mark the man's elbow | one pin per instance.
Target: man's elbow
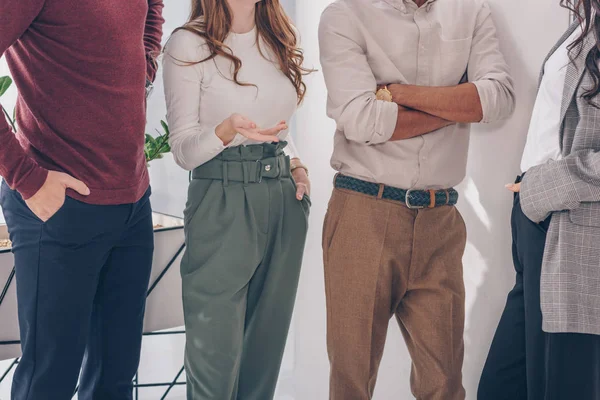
(371, 123)
(362, 134)
(499, 104)
(511, 103)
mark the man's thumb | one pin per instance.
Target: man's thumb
(77, 185)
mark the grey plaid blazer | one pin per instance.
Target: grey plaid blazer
(569, 190)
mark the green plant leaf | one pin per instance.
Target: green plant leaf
(156, 147)
(5, 83)
(165, 127)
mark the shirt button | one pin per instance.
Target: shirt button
(267, 168)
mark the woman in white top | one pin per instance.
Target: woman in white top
(547, 345)
(233, 79)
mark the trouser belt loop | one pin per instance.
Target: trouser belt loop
(447, 196)
(225, 173)
(258, 171)
(380, 194)
(431, 198)
(190, 176)
(245, 172)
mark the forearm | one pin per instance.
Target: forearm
(413, 123)
(459, 104)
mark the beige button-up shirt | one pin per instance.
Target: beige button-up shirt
(443, 43)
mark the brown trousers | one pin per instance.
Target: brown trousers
(383, 259)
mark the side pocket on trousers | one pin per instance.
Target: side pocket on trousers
(333, 217)
(197, 191)
(25, 211)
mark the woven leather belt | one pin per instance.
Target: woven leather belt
(244, 171)
(414, 199)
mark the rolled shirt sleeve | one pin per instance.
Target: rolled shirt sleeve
(488, 70)
(350, 82)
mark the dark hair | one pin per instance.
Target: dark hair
(587, 12)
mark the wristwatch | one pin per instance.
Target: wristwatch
(384, 94)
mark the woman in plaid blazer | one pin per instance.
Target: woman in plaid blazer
(547, 345)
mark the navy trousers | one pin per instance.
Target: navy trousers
(524, 362)
(81, 280)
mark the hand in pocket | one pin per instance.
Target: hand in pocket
(51, 196)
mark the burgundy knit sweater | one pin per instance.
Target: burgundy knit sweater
(80, 67)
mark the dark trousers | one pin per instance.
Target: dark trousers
(525, 363)
(81, 287)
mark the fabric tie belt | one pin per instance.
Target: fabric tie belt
(414, 199)
(244, 171)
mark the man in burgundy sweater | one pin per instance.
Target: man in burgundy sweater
(76, 192)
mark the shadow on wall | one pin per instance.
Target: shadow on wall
(494, 158)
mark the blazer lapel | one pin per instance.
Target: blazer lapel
(563, 38)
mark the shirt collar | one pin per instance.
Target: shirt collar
(401, 4)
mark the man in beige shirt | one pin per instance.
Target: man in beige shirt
(405, 80)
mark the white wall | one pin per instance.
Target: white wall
(528, 29)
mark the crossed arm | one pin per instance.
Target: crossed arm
(416, 110)
(426, 109)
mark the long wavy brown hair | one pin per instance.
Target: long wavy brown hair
(587, 12)
(212, 20)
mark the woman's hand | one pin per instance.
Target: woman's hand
(302, 183)
(237, 123)
(514, 187)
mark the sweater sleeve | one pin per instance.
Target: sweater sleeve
(153, 35)
(290, 150)
(20, 171)
(193, 143)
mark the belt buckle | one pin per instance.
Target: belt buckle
(407, 200)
